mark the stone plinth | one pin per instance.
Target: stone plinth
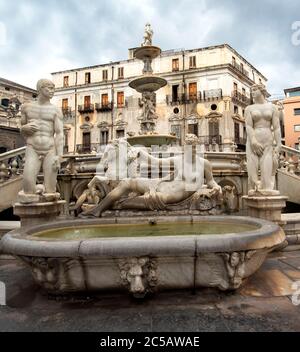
(266, 207)
(38, 213)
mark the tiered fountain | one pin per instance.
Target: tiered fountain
(148, 84)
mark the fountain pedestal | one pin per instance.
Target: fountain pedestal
(266, 207)
(38, 213)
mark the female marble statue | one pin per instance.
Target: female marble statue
(156, 193)
(263, 142)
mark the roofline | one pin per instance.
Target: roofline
(288, 90)
(168, 52)
(16, 85)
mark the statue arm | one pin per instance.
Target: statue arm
(276, 128)
(256, 147)
(58, 129)
(27, 129)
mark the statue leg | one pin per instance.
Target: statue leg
(31, 170)
(122, 188)
(266, 168)
(50, 173)
(252, 167)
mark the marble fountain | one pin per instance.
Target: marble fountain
(135, 233)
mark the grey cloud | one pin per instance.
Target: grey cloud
(53, 35)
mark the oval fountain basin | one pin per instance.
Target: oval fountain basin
(144, 255)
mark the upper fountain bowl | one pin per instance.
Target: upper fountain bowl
(144, 52)
(147, 83)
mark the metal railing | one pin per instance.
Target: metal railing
(240, 68)
(212, 94)
(213, 139)
(86, 108)
(240, 97)
(103, 106)
(88, 148)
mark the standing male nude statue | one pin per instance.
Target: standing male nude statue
(42, 128)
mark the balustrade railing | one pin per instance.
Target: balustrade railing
(11, 164)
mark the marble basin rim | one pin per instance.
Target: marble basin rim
(144, 264)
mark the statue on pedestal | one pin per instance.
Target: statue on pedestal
(263, 143)
(42, 128)
(148, 35)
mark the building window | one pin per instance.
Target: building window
(65, 104)
(193, 91)
(193, 128)
(242, 67)
(103, 137)
(87, 77)
(121, 72)
(5, 102)
(87, 101)
(260, 82)
(176, 130)
(192, 61)
(235, 109)
(175, 65)
(86, 142)
(120, 99)
(233, 61)
(104, 100)
(66, 81)
(244, 91)
(105, 75)
(120, 133)
(175, 94)
(213, 131)
(297, 111)
(237, 132)
(297, 128)
(295, 93)
(235, 87)
(7, 88)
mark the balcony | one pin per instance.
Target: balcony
(87, 148)
(213, 139)
(240, 98)
(103, 106)
(86, 108)
(67, 113)
(240, 68)
(240, 140)
(212, 94)
(175, 99)
(194, 98)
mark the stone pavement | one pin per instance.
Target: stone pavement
(264, 303)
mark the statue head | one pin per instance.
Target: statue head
(45, 87)
(257, 91)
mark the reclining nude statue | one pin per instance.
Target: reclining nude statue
(186, 180)
(263, 143)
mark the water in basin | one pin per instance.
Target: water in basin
(144, 230)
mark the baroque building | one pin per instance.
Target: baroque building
(291, 105)
(12, 95)
(207, 92)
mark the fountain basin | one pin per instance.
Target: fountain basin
(147, 83)
(147, 140)
(144, 255)
(148, 51)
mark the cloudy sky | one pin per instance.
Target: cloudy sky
(39, 37)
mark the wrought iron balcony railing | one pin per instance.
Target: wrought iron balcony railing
(86, 108)
(240, 98)
(175, 99)
(212, 94)
(103, 106)
(240, 68)
(87, 148)
(240, 140)
(213, 139)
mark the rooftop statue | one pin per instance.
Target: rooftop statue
(263, 143)
(42, 128)
(147, 35)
